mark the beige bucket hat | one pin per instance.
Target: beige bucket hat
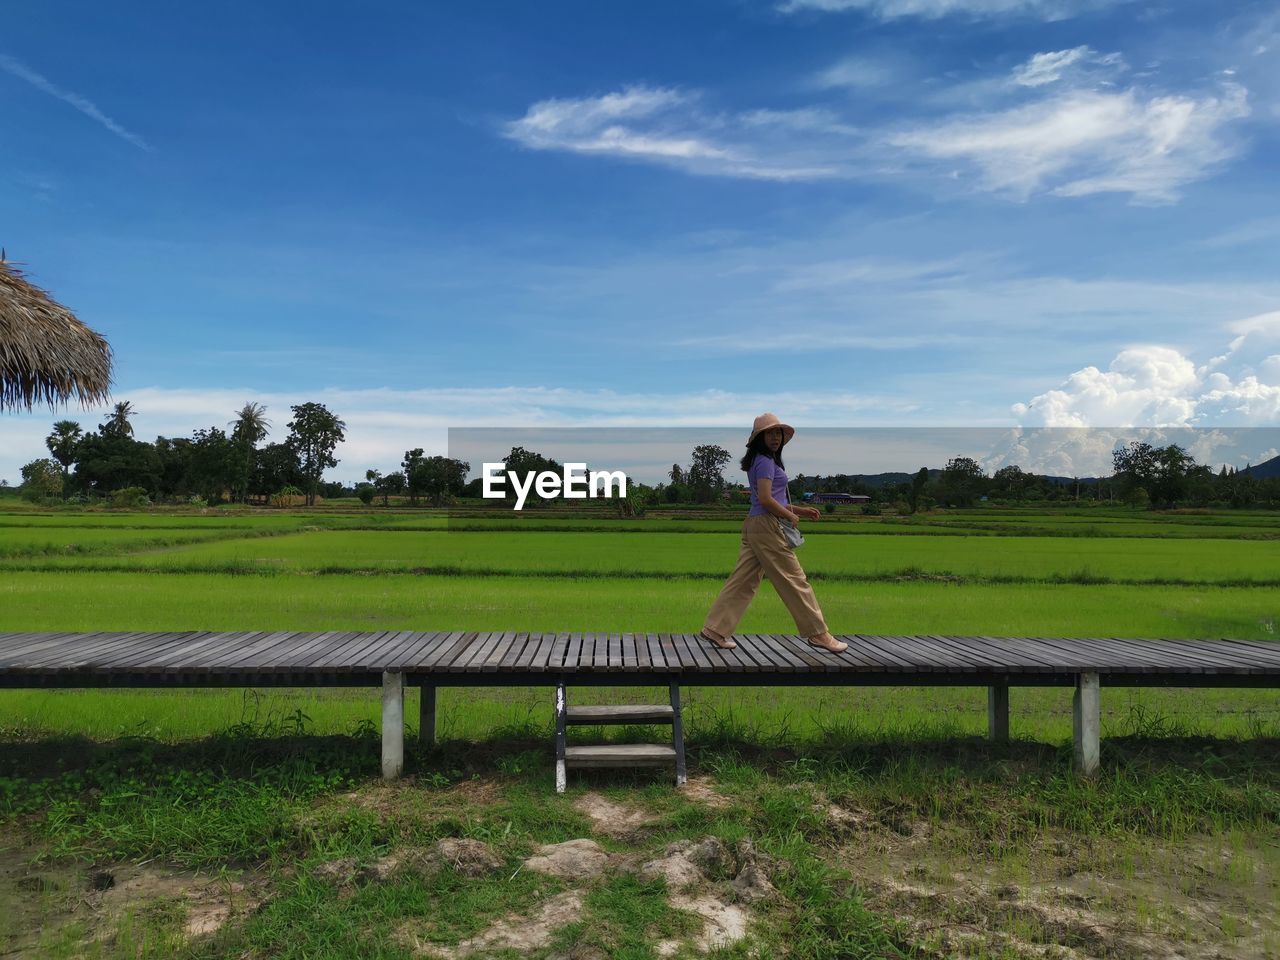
(767, 420)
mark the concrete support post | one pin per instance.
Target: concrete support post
(1087, 722)
(998, 713)
(427, 716)
(392, 724)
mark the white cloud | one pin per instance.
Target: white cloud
(666, 126)
(935, 9)
(83, 104)
(1159, 386)
(1063, 125)
(1089, 141)
(1046, 68)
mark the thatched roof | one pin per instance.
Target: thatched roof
(46, 354)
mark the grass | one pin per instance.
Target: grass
(1175, 841)
(1004, 559)
(115, 601)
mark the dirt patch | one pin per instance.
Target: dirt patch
(41, 900)
(471, 858)
(1063, 897)
(612, 819)
(724, 924)
(574, 860)
(702, 790)
(208, 901)
(524, 934)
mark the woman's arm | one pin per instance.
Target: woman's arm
(764, 493)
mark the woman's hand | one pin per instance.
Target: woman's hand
(809, 513)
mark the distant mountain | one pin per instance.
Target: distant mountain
(1264, 470)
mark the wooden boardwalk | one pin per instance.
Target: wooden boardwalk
(394, 659)
(483, 659)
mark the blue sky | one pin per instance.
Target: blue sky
(852, 212)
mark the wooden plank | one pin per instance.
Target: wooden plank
(688, 661)
(1171, 659)
(621, 713)
(473, 643)
(58, 648)
(620, 755)
(524, 661)
(854, 654)
(304, 646)
(735, 660)
(656, 657)
(21, 646)
(981, 661)
(443, 657)
(630, 661)
(927, 658)
(573, 653)
(755, 656)
(271, 650)
(349, 643)
(559, 650)
(799, 651)
(197, 653)
(542, 656)
(335, 641)
(141, 649)
(599, 651)
(512, 656)
(865, 653)
(784, 660)
(477, 652)
(640, 652)
(881, 650)
(1242, 658)
(499, 651)
(421, 655)
(354, 656)
(99, 653)
(223, 653)
(672, 653)
(389, 650)
(1029, 658)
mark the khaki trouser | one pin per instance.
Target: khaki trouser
(765, 553)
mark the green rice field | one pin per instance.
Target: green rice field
(1187, 805)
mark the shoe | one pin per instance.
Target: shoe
(840, 646)
(725, 644)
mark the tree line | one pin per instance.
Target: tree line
(231, 463)
(212, 465)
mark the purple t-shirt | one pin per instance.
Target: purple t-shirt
(763, 466)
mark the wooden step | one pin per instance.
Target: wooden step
(620, 755)
(622, 713)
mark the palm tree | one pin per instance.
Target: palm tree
(118, 424)
(251, 423)
(62, 444)
(249, 426)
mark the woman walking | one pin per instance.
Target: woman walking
(765, 549)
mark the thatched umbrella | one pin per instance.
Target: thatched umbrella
(46, 354)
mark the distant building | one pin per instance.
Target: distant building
(836, 498)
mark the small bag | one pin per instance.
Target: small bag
(794, 537)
